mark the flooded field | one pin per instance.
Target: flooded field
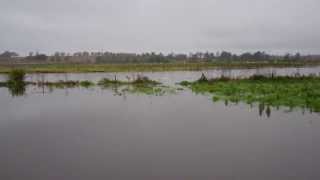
(172, 77)
(102, 133)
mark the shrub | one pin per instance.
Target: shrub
(16, 76)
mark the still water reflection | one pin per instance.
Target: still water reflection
(92, 133)
(170, 78)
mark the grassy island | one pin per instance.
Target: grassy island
(302, 91)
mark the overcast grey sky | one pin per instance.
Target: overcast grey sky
(276, 26)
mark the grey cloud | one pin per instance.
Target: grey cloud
(160, 25)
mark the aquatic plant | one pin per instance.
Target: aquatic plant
(202, 79)
(107, 82)
(16, 83)
(144, 80)
(16, 77)
(140, 80)
(138, 85)
(86, 84)
(64, 84)
(273, 91)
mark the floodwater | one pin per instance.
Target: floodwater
(81, 134)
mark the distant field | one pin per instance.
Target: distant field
(78, 68)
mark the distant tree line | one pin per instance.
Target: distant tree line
(109, 57)
(9, 54)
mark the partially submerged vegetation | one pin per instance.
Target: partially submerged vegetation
(64, 84)
(16, 82)
(140, 80)
(140, 85)
(17, 85)
(267, 91)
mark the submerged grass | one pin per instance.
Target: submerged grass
(302, 91)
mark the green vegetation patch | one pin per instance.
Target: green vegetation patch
(303, 92)
(140, 80)
(64, 84)
(140, 85)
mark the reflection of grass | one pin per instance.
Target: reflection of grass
(3, 84)
(17, 89)
(149, 90)
(267, 91)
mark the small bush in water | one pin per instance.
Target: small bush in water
(16, 76)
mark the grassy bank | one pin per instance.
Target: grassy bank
(77, 68)
(302, 92)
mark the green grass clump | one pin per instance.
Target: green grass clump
(144, 80)
(16, 76)
(302, 92)
(86, 84)
(140, 80)
(16, 82)
(64, 84)
(140, 85)
(107, 82)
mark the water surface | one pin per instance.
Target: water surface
(80, 134)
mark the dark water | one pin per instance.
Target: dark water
(81, 134)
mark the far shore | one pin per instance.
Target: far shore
(147, 67)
